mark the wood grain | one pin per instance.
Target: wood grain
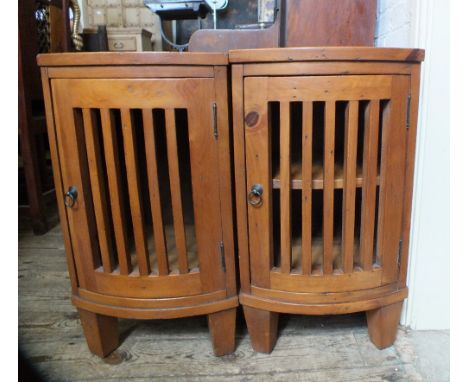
(409, 177)
(329, 23)
(349, 189)
(134, 190)
(328, 190)
(240, 176)
(114, 179)
(150, 130)
(176, 193)
(98, 188)
(392, 180)
(139, 58)
(54, 154)
(258, 166)
(326, 54)
(369, 187)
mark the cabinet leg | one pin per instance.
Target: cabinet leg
(263, 328)
(101, 332)
(223, 331)
(382, 324)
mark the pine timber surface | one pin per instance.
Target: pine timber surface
(332, 348)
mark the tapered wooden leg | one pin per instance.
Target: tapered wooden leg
(101, 332)
(382, 324)
(223, 331)
(263, 328)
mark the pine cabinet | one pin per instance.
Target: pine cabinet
(141, 156)
(323, 158)
(324, 142)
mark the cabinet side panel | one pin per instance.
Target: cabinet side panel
(409, 177)
(392, 180)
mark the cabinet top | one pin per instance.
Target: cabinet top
(349, 53)
(134, 58)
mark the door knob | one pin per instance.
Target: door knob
(70, 197)
(255, 195)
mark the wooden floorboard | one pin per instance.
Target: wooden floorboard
(330, 348)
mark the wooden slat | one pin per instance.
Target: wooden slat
(134, 191)
(285, 184)
(176, 197)
(115, 190)
(98, 188)
(369, 184)
(349, 191)
(307, 123)
(328, 190)
(153, 185)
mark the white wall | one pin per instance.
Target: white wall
(425, 24)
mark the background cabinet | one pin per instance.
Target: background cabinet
(141, 165)
(324, 145)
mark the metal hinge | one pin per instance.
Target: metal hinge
(400, 247)
(221, 253)
(215, 119)
(408, 111)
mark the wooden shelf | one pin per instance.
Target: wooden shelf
(317, 176)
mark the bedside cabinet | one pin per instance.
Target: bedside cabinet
(324, 142)
(141, 159)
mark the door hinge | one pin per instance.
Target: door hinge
(215, 119)
(408, 111)
(400, 248)
(221, 253)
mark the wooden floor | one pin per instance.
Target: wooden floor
(330, 348)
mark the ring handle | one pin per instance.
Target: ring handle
(255, 195)
(70, 197)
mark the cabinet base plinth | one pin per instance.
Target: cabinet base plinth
(99, 321)
(261, 314)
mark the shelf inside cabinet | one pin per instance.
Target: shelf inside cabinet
(317, 176)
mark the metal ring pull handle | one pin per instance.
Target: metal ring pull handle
(255, 195)
(70, 197)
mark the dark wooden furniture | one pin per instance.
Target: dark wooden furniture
(299, 23)
(328, 23)
(31, 118)
(324, 142)
(141, 156)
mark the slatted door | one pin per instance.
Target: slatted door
(142, 157)
(325, 160)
